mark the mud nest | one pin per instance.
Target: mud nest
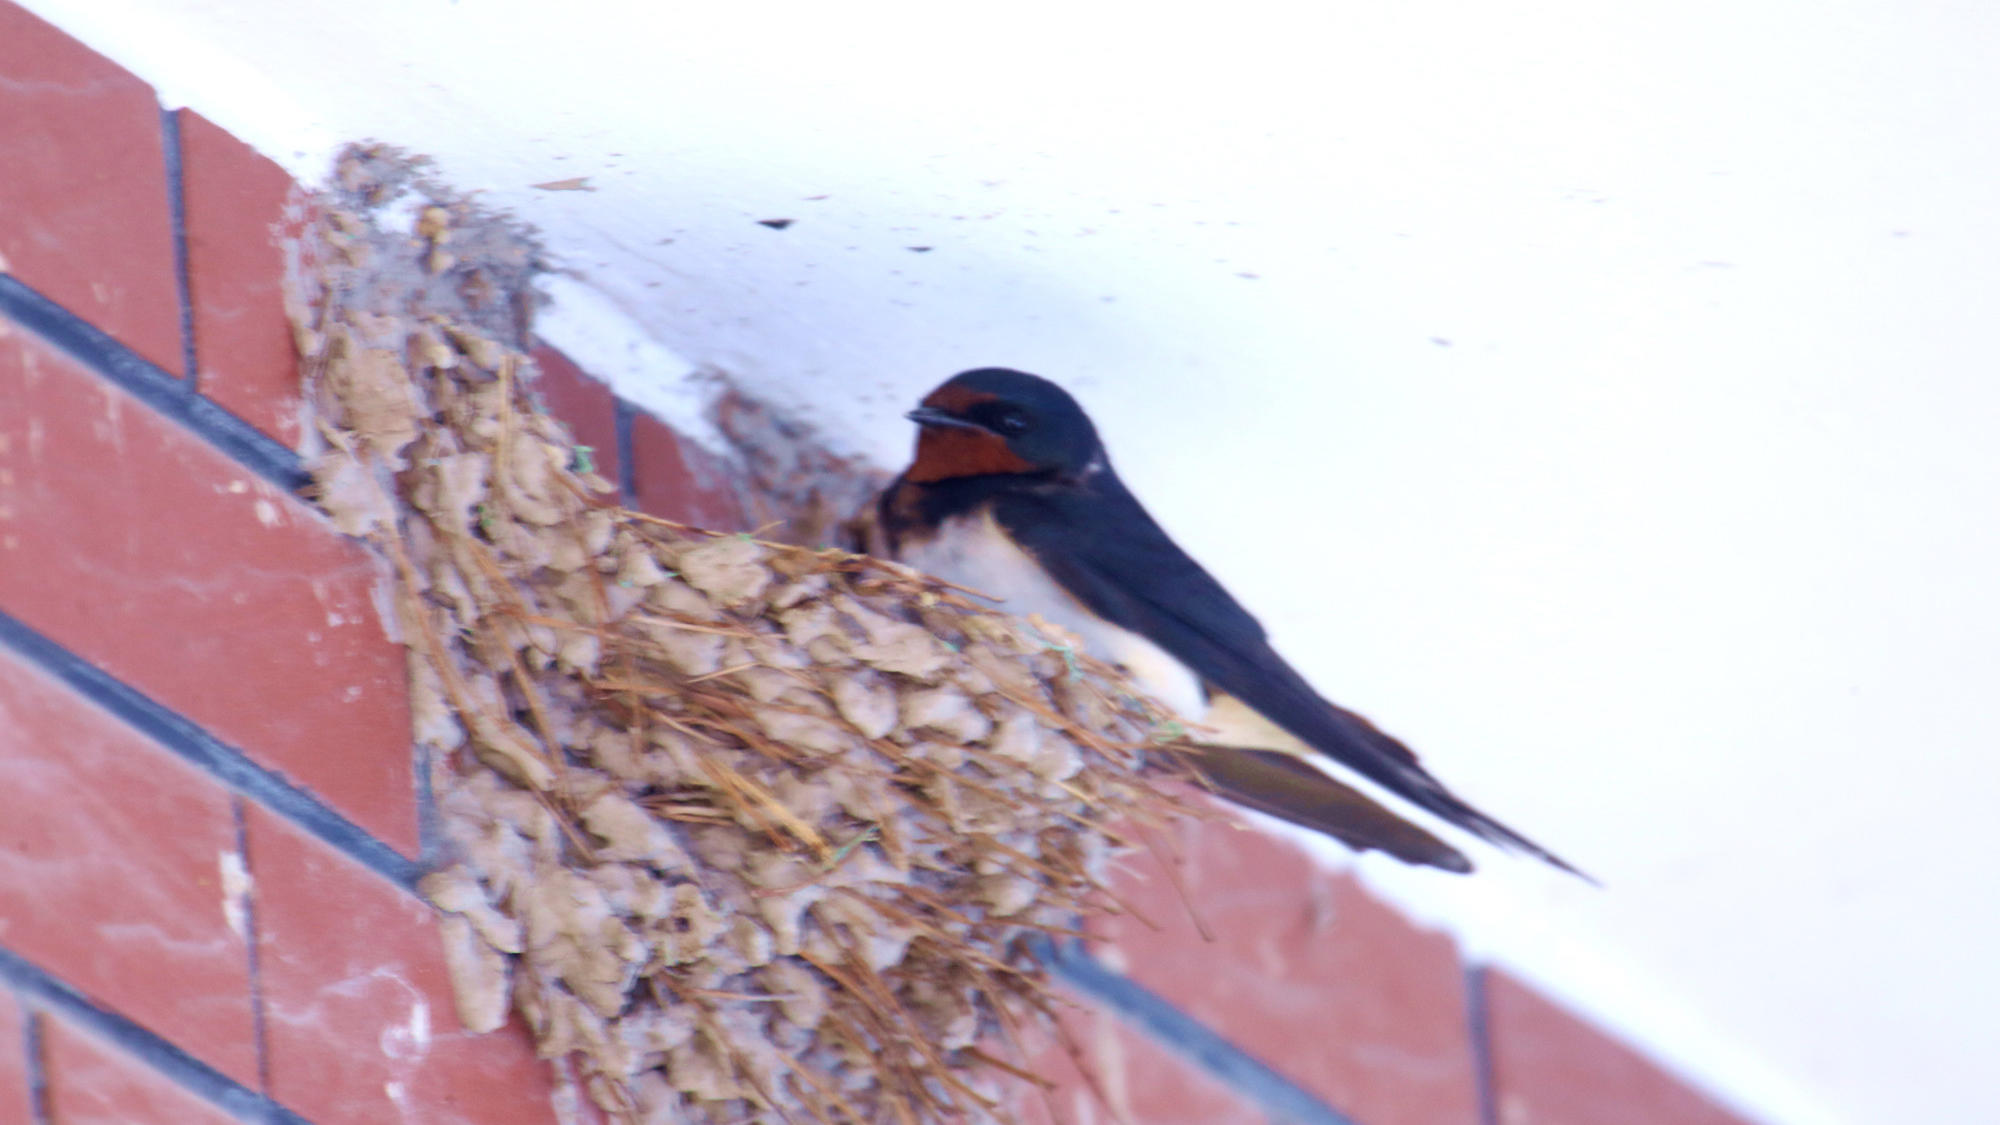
(744, 831)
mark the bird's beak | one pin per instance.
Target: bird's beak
(932, 416)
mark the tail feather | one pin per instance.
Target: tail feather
(1280, 785)
(1428, 793)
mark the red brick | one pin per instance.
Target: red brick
(134, 544)
(678, 480)
(240, 208)
(588, 406)
(15, 1103)
(1551, 1068)
(1308, 973)
(359, 1022)
(1134, 1081)
(83, 202)
(93, 1083)
(114, 875)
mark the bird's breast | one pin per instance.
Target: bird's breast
(972, 550)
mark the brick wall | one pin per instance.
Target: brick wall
(210, 814)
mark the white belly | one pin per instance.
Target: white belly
(973, 551)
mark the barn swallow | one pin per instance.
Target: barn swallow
(1011, 494)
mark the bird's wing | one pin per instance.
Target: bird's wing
(1102, 546)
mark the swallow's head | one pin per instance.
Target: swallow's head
(994, 421)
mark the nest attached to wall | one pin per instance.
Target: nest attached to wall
(749, 832)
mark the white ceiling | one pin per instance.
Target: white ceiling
(1601, 396)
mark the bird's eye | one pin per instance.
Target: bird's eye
(1012, 423)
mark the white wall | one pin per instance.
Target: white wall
(1601, 396)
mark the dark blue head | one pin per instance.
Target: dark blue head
(994, 420)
